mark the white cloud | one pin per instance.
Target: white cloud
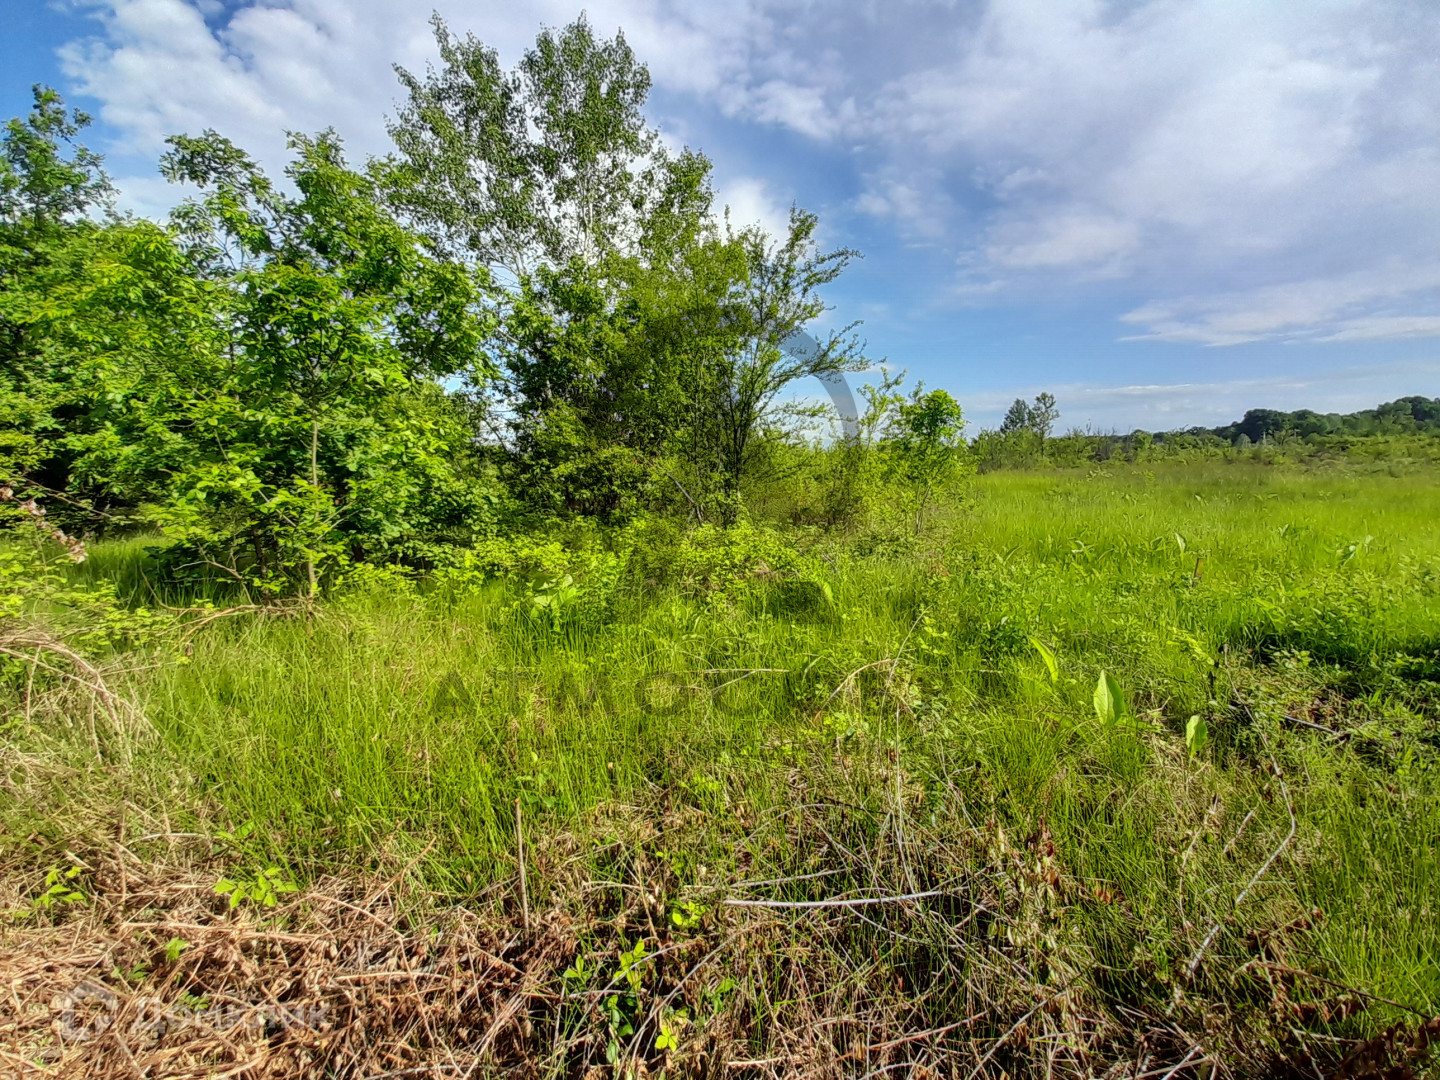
(1189, 148)
(1386, 328)
(156, 62)
(1319, 309)
(751, 202)
(1267, 169)
(1075, 239)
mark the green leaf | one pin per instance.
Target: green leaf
(232, 889)
(1197, 734)
(1046, 655)
(1109, 700)
(577, 971)
(174, 947)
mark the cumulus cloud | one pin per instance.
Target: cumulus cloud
(751, 201)
(1317, 308)
(1237, 149)
(1229, 172)
(159, 66)
(1076, 238)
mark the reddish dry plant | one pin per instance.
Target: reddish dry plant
(1391, 1055)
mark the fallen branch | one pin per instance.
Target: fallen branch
(862, 901)
(1315, 727)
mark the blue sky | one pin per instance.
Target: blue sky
(1164, 212)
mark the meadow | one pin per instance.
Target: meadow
(1123, 770)
(439, 639)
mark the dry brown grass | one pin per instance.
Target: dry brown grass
(366, 976)
(339, 983)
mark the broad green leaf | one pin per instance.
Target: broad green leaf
(1109, 700)
(1046, 655)
(1197, 734)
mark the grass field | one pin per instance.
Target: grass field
(682, 811)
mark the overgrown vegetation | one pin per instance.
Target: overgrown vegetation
(427, 648)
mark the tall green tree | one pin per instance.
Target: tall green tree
(47, 179)
(928, 444)
(779, 296)
(548, 162)
(1037, 419)
(321, 437)
(640, 327)
(54, 204)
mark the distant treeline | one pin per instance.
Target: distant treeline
(1024, 438)
(1404, 415)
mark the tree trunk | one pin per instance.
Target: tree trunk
(314, 482)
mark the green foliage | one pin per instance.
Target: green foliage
(642, 331)
(700, 688)
(621, 1008)
(42, 597)
(927, 444)
(262, 380)
(60, 890)
(1048, 656)
(687, 914)
(48, 183)
(41, 188)
(1197, 735)
(265, 887)
(323, 442)
(258, 382)
(1402, 416)
(539, 164)
(670, 1024)
(514, 393)
(1400, 431)
(710, 557)
(1037, 419)
(1109, 701)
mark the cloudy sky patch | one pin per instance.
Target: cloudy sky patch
(1070, 194)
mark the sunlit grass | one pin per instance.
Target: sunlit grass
(400, 721)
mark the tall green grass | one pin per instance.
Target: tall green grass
(402, 719)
